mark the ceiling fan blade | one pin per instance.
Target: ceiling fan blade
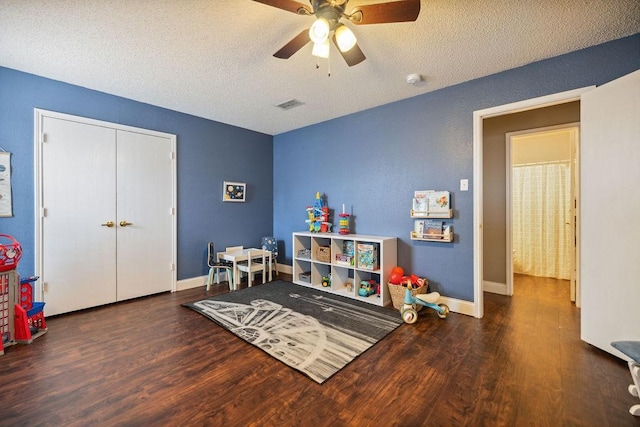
(294, 45)
(353, 56)
(396, 11)
(288, 5)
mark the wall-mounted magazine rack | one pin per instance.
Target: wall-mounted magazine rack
(429, 205)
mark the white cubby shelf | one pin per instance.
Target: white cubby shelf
(309, 270)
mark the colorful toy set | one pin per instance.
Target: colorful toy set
(29, 315)
(21, 319)
(344, 221)
(318, 216)
(10, 253)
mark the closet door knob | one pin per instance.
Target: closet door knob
(108, 224)
(124, 223)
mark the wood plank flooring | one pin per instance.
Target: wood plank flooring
(151, 362)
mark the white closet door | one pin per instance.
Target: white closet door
(609, 203)
(144, 192)
(78, 195)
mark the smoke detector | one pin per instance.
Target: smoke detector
(413, 79)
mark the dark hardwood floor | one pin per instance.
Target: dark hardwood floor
(151, 362)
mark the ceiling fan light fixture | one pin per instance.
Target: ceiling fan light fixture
(345, 39)
(319, 31)
(321, 50)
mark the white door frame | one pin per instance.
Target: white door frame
(40, 138)
(478, 117)
(574, 128)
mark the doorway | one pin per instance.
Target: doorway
(542, 199)
(481, 120)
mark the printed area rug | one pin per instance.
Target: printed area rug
(315, 332)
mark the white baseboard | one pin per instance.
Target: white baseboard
(494, 287)
(287, 269)
(458, 306)
(455, 305)
(195, 282)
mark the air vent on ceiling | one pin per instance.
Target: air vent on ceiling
(288, 105)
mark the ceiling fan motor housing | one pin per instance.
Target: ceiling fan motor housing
(331, 11)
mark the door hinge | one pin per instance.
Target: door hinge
(43, 138)
(172, 211)
(45, 286)
(43, 212)
(172, 266)
(172, 155)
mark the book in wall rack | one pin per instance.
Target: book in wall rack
(429, 208)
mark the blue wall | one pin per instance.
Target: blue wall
(371, 161)
(374, 160)
(208, 153)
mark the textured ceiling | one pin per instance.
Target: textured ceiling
(213, 58)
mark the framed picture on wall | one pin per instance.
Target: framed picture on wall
(234, 191)
(5, 184)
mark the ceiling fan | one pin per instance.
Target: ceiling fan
(328, 15)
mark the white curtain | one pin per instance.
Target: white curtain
(541, 202)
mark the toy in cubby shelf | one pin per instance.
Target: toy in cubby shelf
(346, 258)
(368, 288)
(326, 280)
(318, 216)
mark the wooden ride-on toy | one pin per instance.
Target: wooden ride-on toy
(408, 310)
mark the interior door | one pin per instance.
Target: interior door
(575, 218)
(78, 179)
(609, 201)
(106, 195)
(144, 192)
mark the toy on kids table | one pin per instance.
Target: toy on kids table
(318, 216)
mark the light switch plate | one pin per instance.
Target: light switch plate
(464, 185)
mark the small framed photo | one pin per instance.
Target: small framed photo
(234, 191)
